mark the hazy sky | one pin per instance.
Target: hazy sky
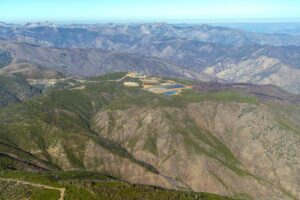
(149, 10)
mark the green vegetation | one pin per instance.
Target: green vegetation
(108, 77)
(150, 144)
(61, 119)
(5, 59)
(66, 115)
(88, 186)
(285, 115)
(14, 89)
(137, 97)
(180, 81)
(13, 190)
(198, 141)
(223, 96)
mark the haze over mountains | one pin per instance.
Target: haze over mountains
(291, 28)
(200, 52)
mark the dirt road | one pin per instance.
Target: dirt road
(61, 190)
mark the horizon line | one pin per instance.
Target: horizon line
(167, 21)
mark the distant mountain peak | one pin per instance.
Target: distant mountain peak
(3, 24)
(40, 24)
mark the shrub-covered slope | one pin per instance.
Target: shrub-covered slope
(15, 89)
(86, 186)
(222, 141)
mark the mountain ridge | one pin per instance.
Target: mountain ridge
(181, 50)
(220, 138)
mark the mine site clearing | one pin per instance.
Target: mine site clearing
(149, 83)
(156, 85)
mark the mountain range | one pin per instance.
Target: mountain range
(83, 115)
(200, 52)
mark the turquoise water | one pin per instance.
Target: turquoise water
(170, 92)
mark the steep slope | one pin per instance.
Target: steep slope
(223, 140)
(159, 49)
(5, 58)
(251, 63)
(30, 71)
(91, 62)
(258, 70)
(15, 89)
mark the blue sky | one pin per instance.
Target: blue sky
(149, 10)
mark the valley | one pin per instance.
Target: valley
(198, 52)
(148, 111)
(149, 100)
